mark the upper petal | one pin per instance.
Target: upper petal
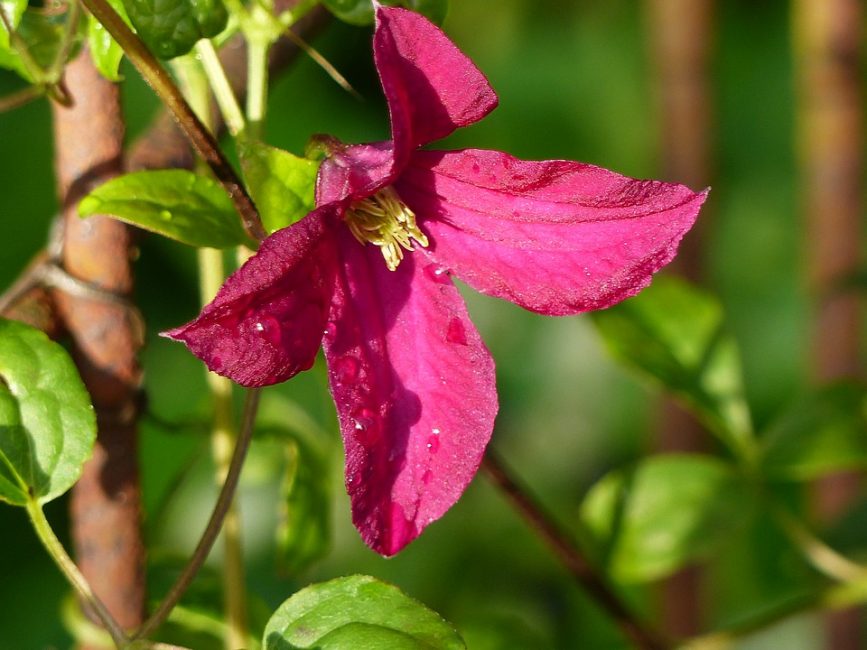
(267, 321)
(556, 237)
(414, 389)
(430, 85)
(353, 172)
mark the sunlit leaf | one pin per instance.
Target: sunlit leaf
(675, 333)
(824, 432)
(663, 513)
(42, 35)
(357, 613)
(105, 51)
(171, 28)
(175, 203)
(281, 184)
(47, 424)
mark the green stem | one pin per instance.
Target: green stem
(20, 98)
(55, 71)
(200, 138)
(70, 571)
(221, 87)
(223, 439)
(823, 558)
(221, 508)
(257, 83)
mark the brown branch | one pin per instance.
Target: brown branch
(681, 34)
(593, 582)
(106, 338)
(828, 37)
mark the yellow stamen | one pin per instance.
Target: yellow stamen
(384, 220)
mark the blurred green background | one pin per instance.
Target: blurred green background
(574, 81)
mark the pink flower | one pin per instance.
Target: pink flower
(368, 274)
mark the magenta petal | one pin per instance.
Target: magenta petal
(555, 237)
(414, 388)
(354, 172)
(430, 85)
(267, 321)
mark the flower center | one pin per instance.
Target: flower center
(383, 219)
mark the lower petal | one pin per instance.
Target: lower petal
(414, 389)
(556, 237)
(266, 322)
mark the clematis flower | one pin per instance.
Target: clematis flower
(368, 275)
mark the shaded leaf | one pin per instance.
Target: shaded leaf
(824, 432)
(663, 513)
(360, 12)
(675, 333)
(357, 613)
(47, 424)
(171, 28)
(42, 35)
(304, 529)
(281, 184)
(175, 203)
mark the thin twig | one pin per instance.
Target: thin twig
(200, 138)
(214, 524)
(570, 555)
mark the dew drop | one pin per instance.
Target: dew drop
(366, 424)
(456, 333)
(435, 431)
(437, 274)
(269, 328)
(330, 331)
(433, 444)
(346, 370)
(165, 215)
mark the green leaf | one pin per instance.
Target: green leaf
(824, 432)
(13, 10)
(280, 183)
(674, 333)
(304, 530)
(175, 203)
(105, 51)
(47, 424)
(171, 28)
(42, 35)
(360, 12)
(357, 613)
(663, 513)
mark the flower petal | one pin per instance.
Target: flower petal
(267, 321)
(430, 85)
(414, 388)
(354, 172)
(556, 237)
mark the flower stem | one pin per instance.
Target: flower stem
(257, 83)
(221, 508)
(223, 92)
(570, 555)
(223, 439)
(70, 571)
(200, 138)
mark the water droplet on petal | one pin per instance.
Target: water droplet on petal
(346, 369)
(456, 333)
(366, 424)
(476, 168)
(437, 274)
(269, 328)
(330, 331)
(426, 477)
(435, 431)
(433, 444)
